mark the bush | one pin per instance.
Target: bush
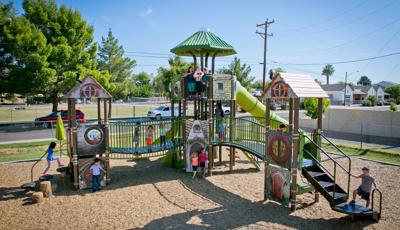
(311, 107)
(372, 99)
(366, 103)
(393, 107)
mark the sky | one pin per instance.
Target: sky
(304, 32)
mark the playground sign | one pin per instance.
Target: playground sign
(90, 140)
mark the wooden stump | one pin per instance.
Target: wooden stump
(54, 187)
(63, 179)
(37, 197)
(45, 187)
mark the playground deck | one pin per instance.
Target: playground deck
(146, 195)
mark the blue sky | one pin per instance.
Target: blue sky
(311, 31)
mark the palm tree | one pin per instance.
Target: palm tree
(327, 71)
(241, 71)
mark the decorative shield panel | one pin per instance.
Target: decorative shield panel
(280, 148)
(278, 186)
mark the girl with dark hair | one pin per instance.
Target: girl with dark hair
(203, 160)
(50, 156)
(191, 83)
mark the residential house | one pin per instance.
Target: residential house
(380, 93)
(363, 91)
(337, 93)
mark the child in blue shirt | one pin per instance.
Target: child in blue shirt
(50, 157)
(96, 170)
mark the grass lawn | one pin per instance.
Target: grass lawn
(90, 111)
(372, 154)
(25, 151)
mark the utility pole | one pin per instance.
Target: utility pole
(345, 89)
(265, 36)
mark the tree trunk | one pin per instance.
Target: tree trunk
(54, 101)
(327, 79)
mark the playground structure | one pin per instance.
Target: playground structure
(284, 150)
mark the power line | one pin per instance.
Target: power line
(265, 36)
(326, 20)
(342, 62)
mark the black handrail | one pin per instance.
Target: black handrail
(380, 201)
(335, 163)
(36, 164)
(345, 155)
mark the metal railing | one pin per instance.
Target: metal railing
(335, 164)
(380, 201)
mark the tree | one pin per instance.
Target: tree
(7, 13)
(279, 70)
(241, 72)
(111, 59)
(311, 107)
(257, 85)
(318, 81)
(328, 71)
(394, 92)
(141, 85)
(176, 70)
(48, 46)
(364, 80)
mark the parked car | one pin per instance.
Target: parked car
(162, 111)
(226, 109)
(51, 119)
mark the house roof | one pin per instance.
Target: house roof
(202, 42)
(297, 86)
(358, 92)
(362, 88)
(385, 84)
(333, 87)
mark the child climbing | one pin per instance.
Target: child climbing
(203, 160)
(149, 137)
(195, 163)
(50, 157)
(96, 170)
(163, 133)
(136, 136)
(219, 115)
(364, 189)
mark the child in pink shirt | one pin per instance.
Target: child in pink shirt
(202, 160)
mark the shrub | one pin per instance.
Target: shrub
(372, 99)
(366, 103)
(393, 107)
(311, 107)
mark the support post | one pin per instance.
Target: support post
(267, 129)
(210, 138)
(317, 138)
(183, 124)
(295, 149)
(106, 139)
(98, 111)
(74, 142)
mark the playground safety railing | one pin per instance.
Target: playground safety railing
(380, 201)
(33, 166)
(335, 164)
(344, 155)
(129, 136)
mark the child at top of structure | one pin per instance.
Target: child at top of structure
(149, 137)
(50, 156)
(203, 160)
(219, 114)
(197, 77)
(191, 83)
(136, 135)
(163, 133)
(96, 170)
(364, 189)
(282, 127)
(195, 163)
(204, 80)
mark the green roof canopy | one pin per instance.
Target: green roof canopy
(203, 41)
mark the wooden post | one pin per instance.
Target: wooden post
(74, 142)
(99, 111)
(267, 129)
(295, 149)
(317, 139)
(106, 139)
(290, 115)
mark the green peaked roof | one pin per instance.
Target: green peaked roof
(203, 41)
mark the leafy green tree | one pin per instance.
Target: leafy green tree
(48, 46)
(311, 107)
(318, 81)
(176, 70)
(257, 85)
(242, 72)
(141, 85)
(279, 70)
(111, 59)
(394, 92)
(7, 13)
(328, 71)
(364, 80)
